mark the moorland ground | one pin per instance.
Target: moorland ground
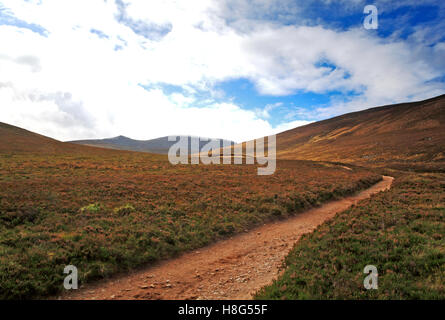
(400, 231)
(108, 211)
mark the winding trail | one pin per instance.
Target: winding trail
(230, 269)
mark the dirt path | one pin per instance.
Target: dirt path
(230, 269)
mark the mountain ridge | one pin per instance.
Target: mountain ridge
(405, 132)
(159, 145)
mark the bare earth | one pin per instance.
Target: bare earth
(231, 269)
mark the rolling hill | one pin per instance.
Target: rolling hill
(15, 139)
(413, 132)
(159, 145)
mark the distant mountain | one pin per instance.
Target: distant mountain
(159, 145)
(412, 132)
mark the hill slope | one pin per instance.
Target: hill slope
(413, 132)
(15, 139)
(403, 132)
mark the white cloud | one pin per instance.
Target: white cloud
(265, 112)
(290, 125)
(73, 84)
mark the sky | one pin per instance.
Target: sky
(233, 69)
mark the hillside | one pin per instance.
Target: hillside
(159, 145)
(15, 139)
(394, 133)
(408, 132)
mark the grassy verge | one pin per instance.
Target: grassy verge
(401, 232)
(111, 212)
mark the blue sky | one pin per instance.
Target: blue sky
(395, 24)
(217, 68)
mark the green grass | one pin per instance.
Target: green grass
(401, 232)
